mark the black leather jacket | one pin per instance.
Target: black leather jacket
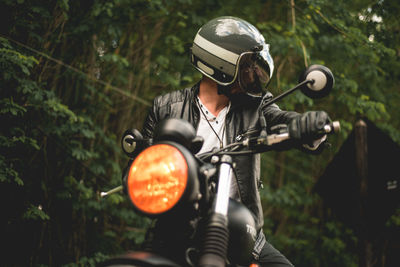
(242, 119)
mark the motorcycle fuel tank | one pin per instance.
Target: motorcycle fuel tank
(242, 233)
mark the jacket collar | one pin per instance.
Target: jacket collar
(237, 100)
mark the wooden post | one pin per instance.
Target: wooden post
(361, 147)
(361, 144)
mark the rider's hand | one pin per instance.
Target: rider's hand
(308, 126)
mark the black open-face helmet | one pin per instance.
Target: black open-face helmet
(227, 49)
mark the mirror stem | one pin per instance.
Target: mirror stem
(112, 191)
(273, 100)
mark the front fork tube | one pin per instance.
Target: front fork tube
(224, 185)
(215, 247)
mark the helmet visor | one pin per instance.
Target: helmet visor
(255, 70)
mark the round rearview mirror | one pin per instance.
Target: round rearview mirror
(321, 81)
(132, 142)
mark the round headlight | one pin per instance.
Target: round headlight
(157, 179)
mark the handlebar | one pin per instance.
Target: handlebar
(332, 127)
(262, 141)
(259, 144)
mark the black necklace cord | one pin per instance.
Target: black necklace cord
(209, 124)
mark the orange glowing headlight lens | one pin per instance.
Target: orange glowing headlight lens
(157, 178)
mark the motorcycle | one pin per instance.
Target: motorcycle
(198, 224)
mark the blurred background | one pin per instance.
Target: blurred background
(76, 74)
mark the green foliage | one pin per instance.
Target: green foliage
(53, 161)
(35, 213)
(74, 75)
(88, 261)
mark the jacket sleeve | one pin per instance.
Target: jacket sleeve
(274, 115)
(151, 120)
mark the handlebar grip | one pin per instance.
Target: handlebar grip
(333, 127)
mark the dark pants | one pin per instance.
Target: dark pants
(267, 255)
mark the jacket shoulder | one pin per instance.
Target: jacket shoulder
(172, 97)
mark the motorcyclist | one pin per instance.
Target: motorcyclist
(225, 105)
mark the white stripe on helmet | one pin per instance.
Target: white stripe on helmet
(216, 50)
